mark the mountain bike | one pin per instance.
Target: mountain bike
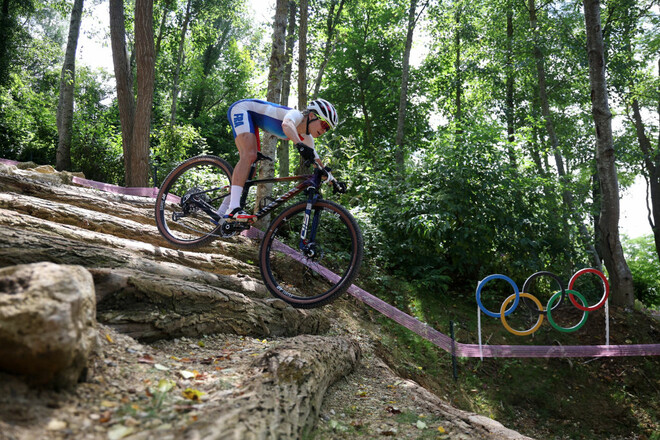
(301, 246)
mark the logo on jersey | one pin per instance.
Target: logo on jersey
(238, 119)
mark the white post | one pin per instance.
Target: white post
(607, 322)
(481, 351)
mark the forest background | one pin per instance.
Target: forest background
(478, 158)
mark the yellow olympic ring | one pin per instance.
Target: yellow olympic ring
(530, 330)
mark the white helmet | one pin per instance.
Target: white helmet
(325, 111)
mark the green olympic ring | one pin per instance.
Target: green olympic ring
(577, 326)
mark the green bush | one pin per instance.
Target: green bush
(643, 261)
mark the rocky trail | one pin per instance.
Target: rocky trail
(189, 345)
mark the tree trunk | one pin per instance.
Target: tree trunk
(124, 79)
(652, 165)
(302, 55)
(302, 64)
(274, 94)
(146, 60)
(457, 68)
(620, 276)
(167, 6)
(328, 48)
(179, 62)
(283, 398)
(403, 97)
(209, 59)
(567, 196)
(7, 31)
(67, 82)
(283, 145)
(510, 83)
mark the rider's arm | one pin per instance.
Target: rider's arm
(290, 125)
(290, 129)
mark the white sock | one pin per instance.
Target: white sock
(236, 192)
(223, 208)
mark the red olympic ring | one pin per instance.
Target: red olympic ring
(606, 286)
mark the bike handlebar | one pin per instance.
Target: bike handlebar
(337, 186)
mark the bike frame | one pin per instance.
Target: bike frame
(308, 181)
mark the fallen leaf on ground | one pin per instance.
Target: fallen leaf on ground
(146, 359)
(193, 394)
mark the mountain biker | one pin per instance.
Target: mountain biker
(247, 116)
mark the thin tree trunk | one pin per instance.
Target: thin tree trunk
(277, 61)
(146, 58)
(567, 196)
(619, 272)
(302, 63)
(179, 62)
(124, 79)
(457, 68)
(652, 166)
(161, 29)
(67, 83)
(302, 57)
(328, 48)
(403, 97)
(283, 145)
(510, 83)
(362, 79)
(209, 59)
(7, 31)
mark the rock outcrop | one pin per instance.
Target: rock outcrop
(47, 322)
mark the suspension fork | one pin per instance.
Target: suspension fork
(305, 241)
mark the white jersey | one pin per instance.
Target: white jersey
(248, 115)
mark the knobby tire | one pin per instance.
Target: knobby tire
(294, 277)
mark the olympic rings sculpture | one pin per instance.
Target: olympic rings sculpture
(554, 301)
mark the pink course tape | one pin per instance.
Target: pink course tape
(429, 333)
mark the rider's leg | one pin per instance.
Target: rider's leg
(247, 150)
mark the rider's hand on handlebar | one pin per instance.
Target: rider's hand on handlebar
(306, 152)
(327, 175)
(339, 187)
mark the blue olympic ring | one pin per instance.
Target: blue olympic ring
(500, 277)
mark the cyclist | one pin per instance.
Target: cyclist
(247, 116)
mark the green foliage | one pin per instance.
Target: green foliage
(96, 144)
(642, 258)
(28, 130)
(174, 144)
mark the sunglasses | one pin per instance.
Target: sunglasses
(324, 124)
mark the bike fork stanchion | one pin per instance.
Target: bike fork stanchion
(453, 350)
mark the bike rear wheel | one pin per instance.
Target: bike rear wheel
(300, 276)
(188, 199)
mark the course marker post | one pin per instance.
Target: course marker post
(453, 350)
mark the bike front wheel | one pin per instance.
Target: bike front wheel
(314, 271)
(188, 199)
